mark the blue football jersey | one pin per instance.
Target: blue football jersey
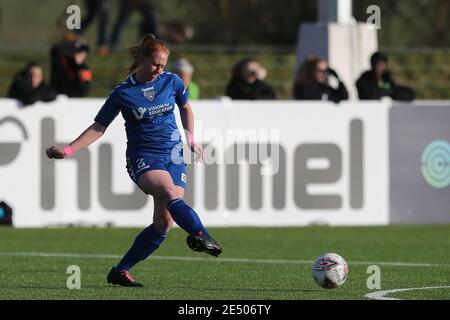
(148, 110)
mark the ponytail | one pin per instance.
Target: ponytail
(147, 47)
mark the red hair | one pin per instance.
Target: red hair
(148, 46)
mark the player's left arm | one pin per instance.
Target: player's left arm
(187, 116)
(187, 119)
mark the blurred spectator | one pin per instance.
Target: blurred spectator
(70, 75)
(247, 83)
(175, 32)
(100, 8)
(185, 70)
(28, 86)
(377, 82)
(148, 19)
(311, 82)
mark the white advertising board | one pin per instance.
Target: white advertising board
(326, 164)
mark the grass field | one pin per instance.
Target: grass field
(257, 263)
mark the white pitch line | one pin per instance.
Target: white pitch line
(381, 295)
(210, 259)
(60, 255)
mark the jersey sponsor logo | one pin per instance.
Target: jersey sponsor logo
(183, 177)
(153, 111)
(139, 113)
(159, 109)
(149, 93)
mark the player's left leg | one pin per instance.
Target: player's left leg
(198, 238)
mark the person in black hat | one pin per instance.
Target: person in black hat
(377, 82)
(70, 75)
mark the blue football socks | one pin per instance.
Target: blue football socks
(145, 243)
(186, 217)
(151, 238)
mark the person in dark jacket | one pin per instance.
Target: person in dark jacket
(247, 82)
(377, 82)
(97, 9)
(28, 86)
(70, 75)
(311, 82)
(148, 24)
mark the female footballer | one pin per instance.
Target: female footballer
(154, 154)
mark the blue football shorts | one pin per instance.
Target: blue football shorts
(138, 165)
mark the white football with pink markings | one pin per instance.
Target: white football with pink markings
(330, 270)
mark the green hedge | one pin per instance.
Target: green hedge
(427, 72)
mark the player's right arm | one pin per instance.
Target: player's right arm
(104, 117)
(90, 135)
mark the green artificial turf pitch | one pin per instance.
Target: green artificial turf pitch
(256, 263)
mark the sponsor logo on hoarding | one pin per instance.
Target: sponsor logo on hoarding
(435, 164)
(321, 163)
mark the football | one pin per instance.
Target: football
(330, 270)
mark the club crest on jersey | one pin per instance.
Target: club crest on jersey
(149, 93)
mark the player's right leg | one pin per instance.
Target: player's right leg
(150, 238)
(144, 245)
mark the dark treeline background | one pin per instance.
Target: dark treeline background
(405, 23)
